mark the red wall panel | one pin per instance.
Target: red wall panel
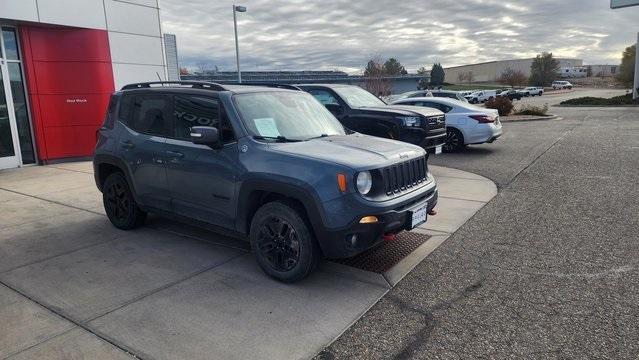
(73, 77)
(74, 109)
(69, 81)
(69, 44)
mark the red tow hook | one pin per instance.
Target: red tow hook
(388, 237)
(432, 212)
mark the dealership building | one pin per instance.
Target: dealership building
(59, 62)
(489, 72)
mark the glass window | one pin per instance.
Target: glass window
(294, 115)
(151, 115)
(194, 111)
(21, 112)
(357, 97)
(324, 97)
(6, 139)
(10, 43)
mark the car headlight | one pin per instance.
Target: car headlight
(364, 182)
(410, 120)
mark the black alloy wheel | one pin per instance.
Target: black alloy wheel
(454, 140)
(278, 243)
(119, 204)
(283, 242)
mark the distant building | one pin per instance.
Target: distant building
(170, 49)
(489, 72)
(604, 70)
(400, 83)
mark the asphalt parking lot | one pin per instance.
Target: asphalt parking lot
(548, 269)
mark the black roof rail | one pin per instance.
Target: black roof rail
(194, 84)
(265, 84)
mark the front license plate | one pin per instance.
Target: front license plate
(438, 150)
(419, 216)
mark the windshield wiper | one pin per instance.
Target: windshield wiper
(317, 137)
(279, 138)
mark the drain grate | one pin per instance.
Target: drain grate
(385, 256)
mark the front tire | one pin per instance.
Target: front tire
(454, 140)
(119, 204)
(283, 243)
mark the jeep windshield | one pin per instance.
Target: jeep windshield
(286, 116)
(356, 97)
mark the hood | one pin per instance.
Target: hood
(356, 151)
(404, 110)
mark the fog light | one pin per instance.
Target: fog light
(351, 240)
(368, 220)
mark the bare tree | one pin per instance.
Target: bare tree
(470, 77)
(203, 67)
(461, 77)
(513, 78)
(375, 79)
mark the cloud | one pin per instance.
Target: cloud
(334, 34)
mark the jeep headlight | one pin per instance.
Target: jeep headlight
(364, 182)
(410, 120)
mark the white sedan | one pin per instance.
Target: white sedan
(465, 123)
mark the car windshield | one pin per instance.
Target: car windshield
(286, 115)
(357, 97)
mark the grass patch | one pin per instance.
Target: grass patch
(532, 110)
(597, 101)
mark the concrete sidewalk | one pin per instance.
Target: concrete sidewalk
(73, 286)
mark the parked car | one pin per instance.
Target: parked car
(449, 94)
(560, 84)
(481, 96)
(534, 90)
(511, 94)
(265, 164)
(361, 111)
(409, 94)
(465, 123)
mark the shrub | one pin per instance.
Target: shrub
(589, 100)
(532, 110)
(503, 105)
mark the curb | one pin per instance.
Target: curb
(598, 106)
(539, 118)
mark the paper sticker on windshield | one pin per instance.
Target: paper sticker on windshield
(266, 127)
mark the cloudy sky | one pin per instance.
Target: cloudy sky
(334, 34)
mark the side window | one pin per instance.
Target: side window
(324, 97)
(151, 115)
(200, 111)
(194, 111)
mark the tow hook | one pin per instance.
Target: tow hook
(432, 212)
(389, 237)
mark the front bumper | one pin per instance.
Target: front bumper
(339, 243)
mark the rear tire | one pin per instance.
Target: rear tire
(283, 243)
(119, 204)
(454, 140)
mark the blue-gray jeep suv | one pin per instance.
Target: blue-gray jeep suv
(265, 164)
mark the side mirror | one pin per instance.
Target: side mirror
(334, 108)
(206, 135)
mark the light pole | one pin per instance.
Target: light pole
(236, 9)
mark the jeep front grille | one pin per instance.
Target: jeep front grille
(403, 176)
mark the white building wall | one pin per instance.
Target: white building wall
(490, 71)
(135, 38)
(134, 28)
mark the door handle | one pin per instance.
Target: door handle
(127, 144)
(175, 154)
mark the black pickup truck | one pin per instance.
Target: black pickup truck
(361, 111)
